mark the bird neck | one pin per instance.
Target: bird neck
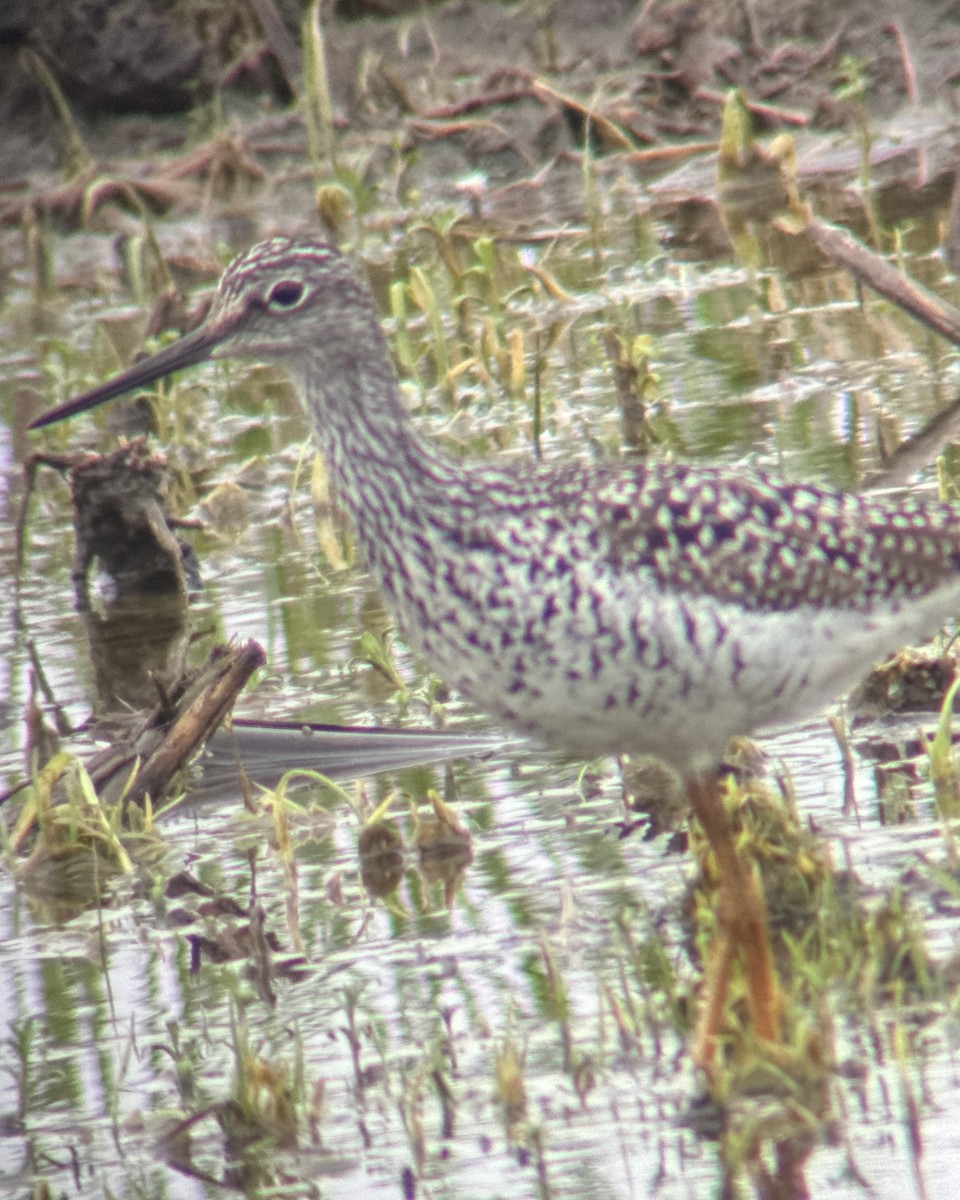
(378, 462)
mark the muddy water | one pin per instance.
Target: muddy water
(385, 1034)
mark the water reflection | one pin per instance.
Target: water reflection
(557, 949)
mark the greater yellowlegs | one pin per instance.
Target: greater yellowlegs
(599, 607)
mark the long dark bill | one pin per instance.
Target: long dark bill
(193, 348)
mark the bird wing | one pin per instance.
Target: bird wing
(746, 538)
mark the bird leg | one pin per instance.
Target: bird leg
(741, 930)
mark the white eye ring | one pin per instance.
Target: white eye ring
(286, 294)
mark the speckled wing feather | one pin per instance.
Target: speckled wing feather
(768, 545)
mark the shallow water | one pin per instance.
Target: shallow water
(406, 1000)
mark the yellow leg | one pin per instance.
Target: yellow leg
(741, 932)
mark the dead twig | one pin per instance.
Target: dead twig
(906, 60)
(884, 278)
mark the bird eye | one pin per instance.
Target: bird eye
(286, 294)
